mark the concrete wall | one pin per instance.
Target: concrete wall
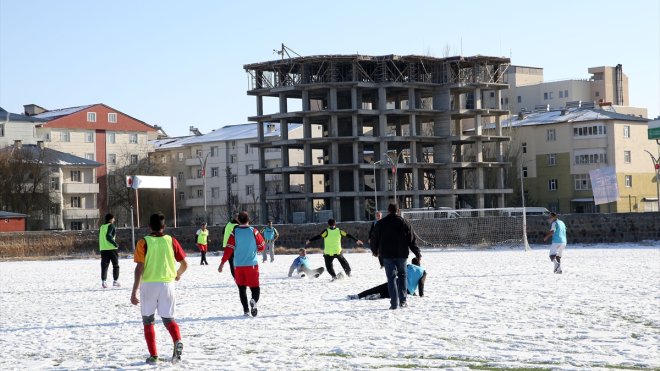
(582, 228)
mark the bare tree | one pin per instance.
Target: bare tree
(24, 184)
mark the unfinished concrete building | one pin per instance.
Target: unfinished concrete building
(393, 127)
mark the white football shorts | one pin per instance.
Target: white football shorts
(157, 296)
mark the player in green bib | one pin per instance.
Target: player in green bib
(332, 248)
(229, 228)
(202, 235)
(109, 251)
(156, 256)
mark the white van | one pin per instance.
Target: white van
(529, 211)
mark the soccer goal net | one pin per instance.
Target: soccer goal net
(469, 227)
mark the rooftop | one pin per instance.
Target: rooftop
(49, 156)
(577, 114)
(224, 134)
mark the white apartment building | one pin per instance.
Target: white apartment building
(15, 127)
(71, 183)
(529, 92)
(227, 183)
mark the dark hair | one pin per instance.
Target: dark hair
(554, 215)
(243, 217)
(302, 249)
(157, 221)
(331, 222)
(392, 208)
(108, 217)
(415, 261)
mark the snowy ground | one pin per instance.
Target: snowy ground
(482, 310)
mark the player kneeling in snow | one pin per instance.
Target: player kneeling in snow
(416, 276)
(301, 265)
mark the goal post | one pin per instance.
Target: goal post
(469, 227)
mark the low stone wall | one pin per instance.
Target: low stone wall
(582, 228)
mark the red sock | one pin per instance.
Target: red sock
(173, 328)
(150, 337)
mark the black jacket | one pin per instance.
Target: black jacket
(393, 237)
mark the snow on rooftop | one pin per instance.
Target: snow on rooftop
(61, 112)
(225, 133)
(568, 115)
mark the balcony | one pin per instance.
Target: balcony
(192, 161)
(80, 213)
(192, 202)
(80, 188)
(194, 182)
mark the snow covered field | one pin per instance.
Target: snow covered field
(482, 310)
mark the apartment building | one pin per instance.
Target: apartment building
(558, 148)
(95, 132)
(68, 181)
(529, 92)
(15, 127)
(215, 175)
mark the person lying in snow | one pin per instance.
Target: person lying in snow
(301, 265)
(416, 277)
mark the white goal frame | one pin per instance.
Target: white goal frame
(445, 227)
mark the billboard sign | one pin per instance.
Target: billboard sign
(604, 185)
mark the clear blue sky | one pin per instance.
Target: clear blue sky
(179, 63)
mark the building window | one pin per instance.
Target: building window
(134, 159)
(524, 171)
(199, 173)
(591, 130)
(232, 159)
(233, 144)
(552, 184)
(76, 226)
(214, 151)
(133, 138)
(591, 158)
(234, 179)
(111, 138)
(89, 137)
(561, 94)
(200, 193)
(215, 192)
(179, 176)
(248, 168)
(519, 99)
(628, 181)
(626, 131)
(215, 171)
(91, 116)
(552, 159)
(582, 182)
(247, 148)
(76, 176)
(65, 136)
(545, 96)
(89, 156)
(249, 190)
(180, 155)
(565, 93)
(551, 135)
(182, 196)
(198, 153)
(112, 118)
(492, 94)
(550, 95)
(112, 159)
(626, 157)
(54, 184)
(524, 147)
(597, 94)
(76, 202)
(2, 130)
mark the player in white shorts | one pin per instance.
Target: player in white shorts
(156, 256)
(558, 234)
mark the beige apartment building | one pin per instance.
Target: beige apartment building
(98, 133)
(558, 149)
(227, 183)
(528, 91)
(14, 126)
